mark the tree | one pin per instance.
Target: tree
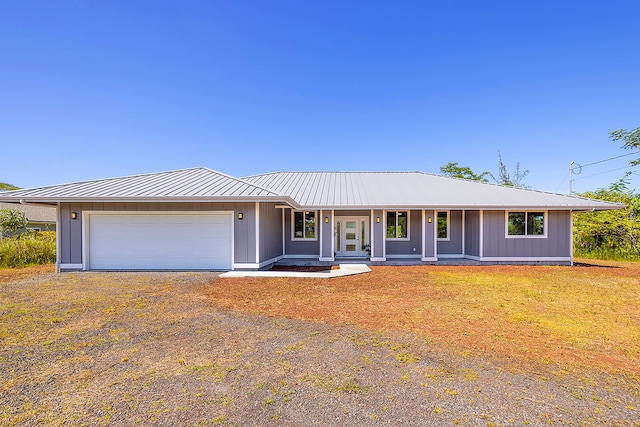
(453, 170)
(12, 220)
(504, 178)
(631, 139)
(6, 187)
(611, 234)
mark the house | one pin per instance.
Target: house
(198, 218)
(39, 218)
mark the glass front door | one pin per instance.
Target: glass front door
(352, 237)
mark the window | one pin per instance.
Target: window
(526, 224)
(398, 225)
(304, 225)
(443, 225)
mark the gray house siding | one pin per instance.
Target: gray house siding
(429, 235)
(377, 239)
(472, 233)
(554, 245)
(70, 251)
(306, 248)
(270, 231)
(327, 233)
(412, 246)
(453, 246)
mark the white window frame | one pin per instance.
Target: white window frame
(444, 239)
(545, 224)
(293, 226)
(408, 225)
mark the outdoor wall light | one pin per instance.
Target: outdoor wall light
(378, 219)
(74, 215)
(429, 220)
(240, 216)
(326, 220)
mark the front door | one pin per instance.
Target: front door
(352, 237)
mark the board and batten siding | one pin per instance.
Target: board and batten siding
(304, 248)
(554, 245)
(270, 231)
(412, 246)
(472, 233)
(453, 246)
(70, 251)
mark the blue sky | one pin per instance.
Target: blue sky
(95, 89)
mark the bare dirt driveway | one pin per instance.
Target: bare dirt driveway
(191, 349)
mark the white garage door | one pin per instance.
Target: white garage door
(160, 241)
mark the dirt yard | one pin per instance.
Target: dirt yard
(419, 346)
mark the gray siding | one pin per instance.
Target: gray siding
(454, 245)
(270, 231)
(472, 233)
(299, 247)
(327, 233)
(430, 232)
(413, 246)
(71, 230)
(556, 244)
(377, 239)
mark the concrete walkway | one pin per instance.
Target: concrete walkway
(344, 270)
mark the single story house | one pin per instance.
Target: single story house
(200, 219)
(39, 218)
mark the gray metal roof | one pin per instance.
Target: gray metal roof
(186, 184)
(411, 190)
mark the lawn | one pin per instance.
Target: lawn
(471, 346)
(586, 316)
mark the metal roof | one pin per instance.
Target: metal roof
(318, 190)
(386, 190)
(187, 184)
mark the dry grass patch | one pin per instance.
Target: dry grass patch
(582, 316)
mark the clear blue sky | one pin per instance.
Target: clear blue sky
(95, 89)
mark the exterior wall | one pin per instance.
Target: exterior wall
(270, 231)
(327, 234)
(412, 246)
(70, 250)
(472, 233)
(377, 235)
(453, 246)
(305, 248)
(429, 234)
(555, 245)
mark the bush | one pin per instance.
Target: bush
(28, 249)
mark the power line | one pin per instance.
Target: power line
(601, 173)
(612, 158)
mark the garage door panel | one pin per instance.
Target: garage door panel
(160, 241)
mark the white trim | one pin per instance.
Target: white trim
(333, 240)
(372, 236)
(429, 258)
(448, 238)
(400, 239)
(257, 232)
(71, 266)
(58, 235)
(434, 230)
(326, 259)
(379, 258)
(571, 236)
(256, 265)
(384, 235)
(545, 215)
(473, 257)
(86, 218)
(304, 211)
(300, 256)
(481, 248)
(451, 256)
(424, 232)
(526, 259)
(321, 230)
(464, 217)
(403, 256)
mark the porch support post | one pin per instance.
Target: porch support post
(326, 236)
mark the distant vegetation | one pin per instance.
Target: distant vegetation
(28, 248)
(7, 187)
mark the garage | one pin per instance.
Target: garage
(159, 241)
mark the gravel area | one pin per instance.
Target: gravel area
(150, 349)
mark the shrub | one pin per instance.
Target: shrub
(28, 249)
